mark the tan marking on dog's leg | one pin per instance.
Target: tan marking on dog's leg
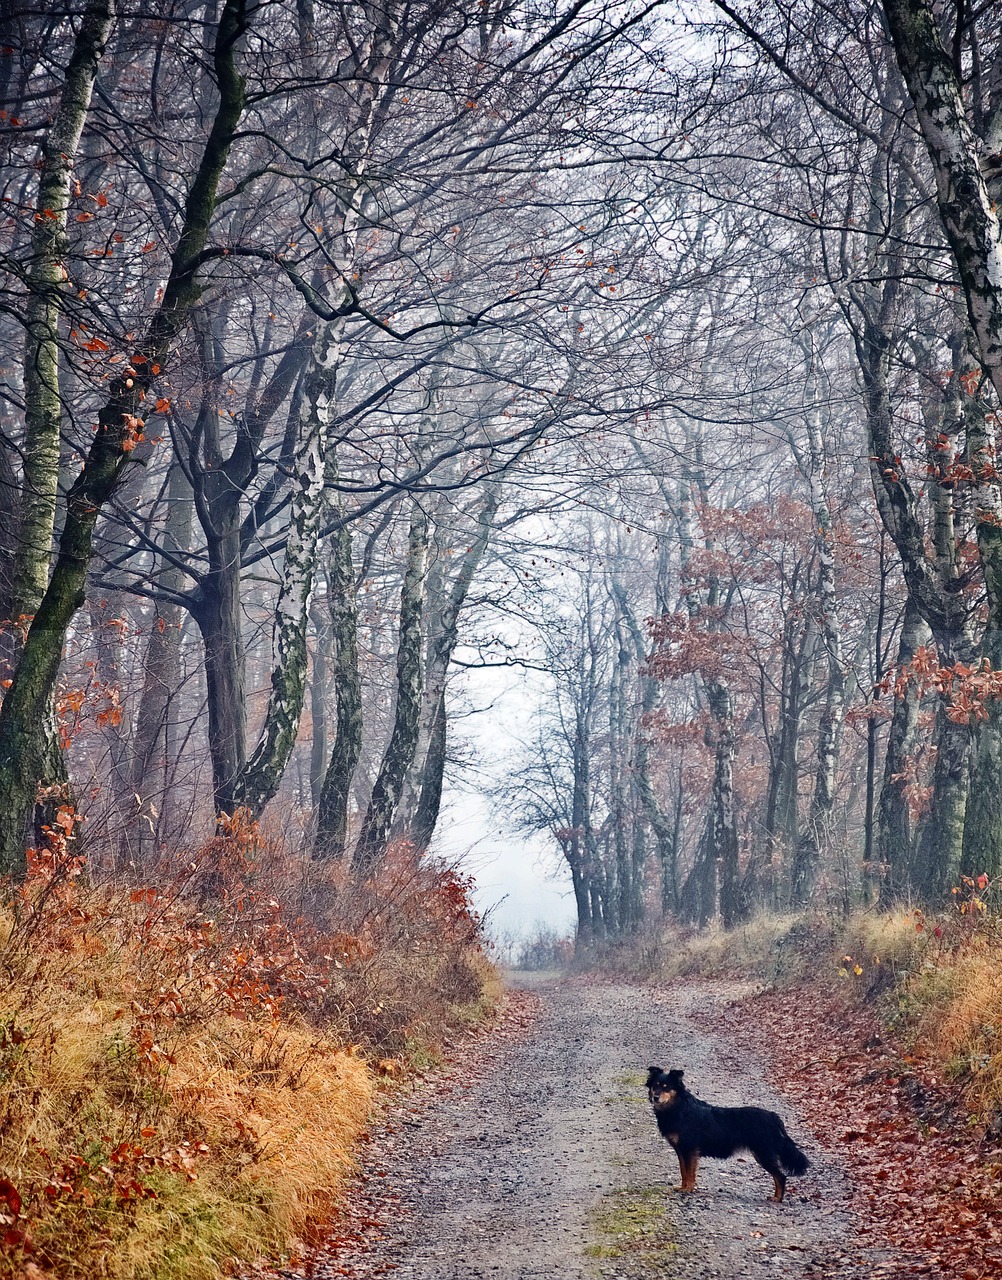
(683, 1166)
(780, 1182)
(693, 1162)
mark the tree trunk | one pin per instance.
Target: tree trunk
(940, 845)
(23, 744)
(318, 702)
(151, 761)
(43, 406)
(216, 608)
(782, 812)
(665, 831)
(814, 838)
(982, 851)
(966, 206)
(332, 813)
(895, 838)
(429, 803)
(399, 754)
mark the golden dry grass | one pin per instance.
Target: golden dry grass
(179, 1090)
(228, 1137)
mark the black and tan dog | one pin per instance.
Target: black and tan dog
(695, 1128)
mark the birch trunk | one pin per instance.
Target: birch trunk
(259, 780)
(967, 209)
(318, 701)
(23, 743)
(43, 406)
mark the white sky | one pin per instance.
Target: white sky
(521, 880)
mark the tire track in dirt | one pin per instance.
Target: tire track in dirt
(534, 1157)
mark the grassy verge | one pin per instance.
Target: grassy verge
(182, 1085)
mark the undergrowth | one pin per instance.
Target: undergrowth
(185, 1070)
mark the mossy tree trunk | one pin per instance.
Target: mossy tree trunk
(22, 715)
(332, 813)
(399, 754)
(45, 276)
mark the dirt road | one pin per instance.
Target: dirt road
(537, 1157)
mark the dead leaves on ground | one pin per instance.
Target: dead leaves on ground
(925, 1180)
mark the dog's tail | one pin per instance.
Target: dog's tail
(790, 1156)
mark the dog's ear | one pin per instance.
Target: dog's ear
(675, 1077)
(653, 1075)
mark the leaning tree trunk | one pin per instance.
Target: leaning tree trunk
(22, 715)
(967, 206)
(399, 754)
(43, 405)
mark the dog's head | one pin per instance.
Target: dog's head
(663, 1087)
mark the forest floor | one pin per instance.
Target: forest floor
(534, 1154)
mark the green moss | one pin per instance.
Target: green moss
(632, 1226)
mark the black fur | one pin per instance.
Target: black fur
(695, 1128)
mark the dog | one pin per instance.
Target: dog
(695, 1128)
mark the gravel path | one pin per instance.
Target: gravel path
(536, 1156)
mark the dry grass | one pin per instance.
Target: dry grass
(760, 948)
(179, 1088)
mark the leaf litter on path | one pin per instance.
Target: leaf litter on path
(926, 1180)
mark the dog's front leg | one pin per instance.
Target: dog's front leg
(687, 1166)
